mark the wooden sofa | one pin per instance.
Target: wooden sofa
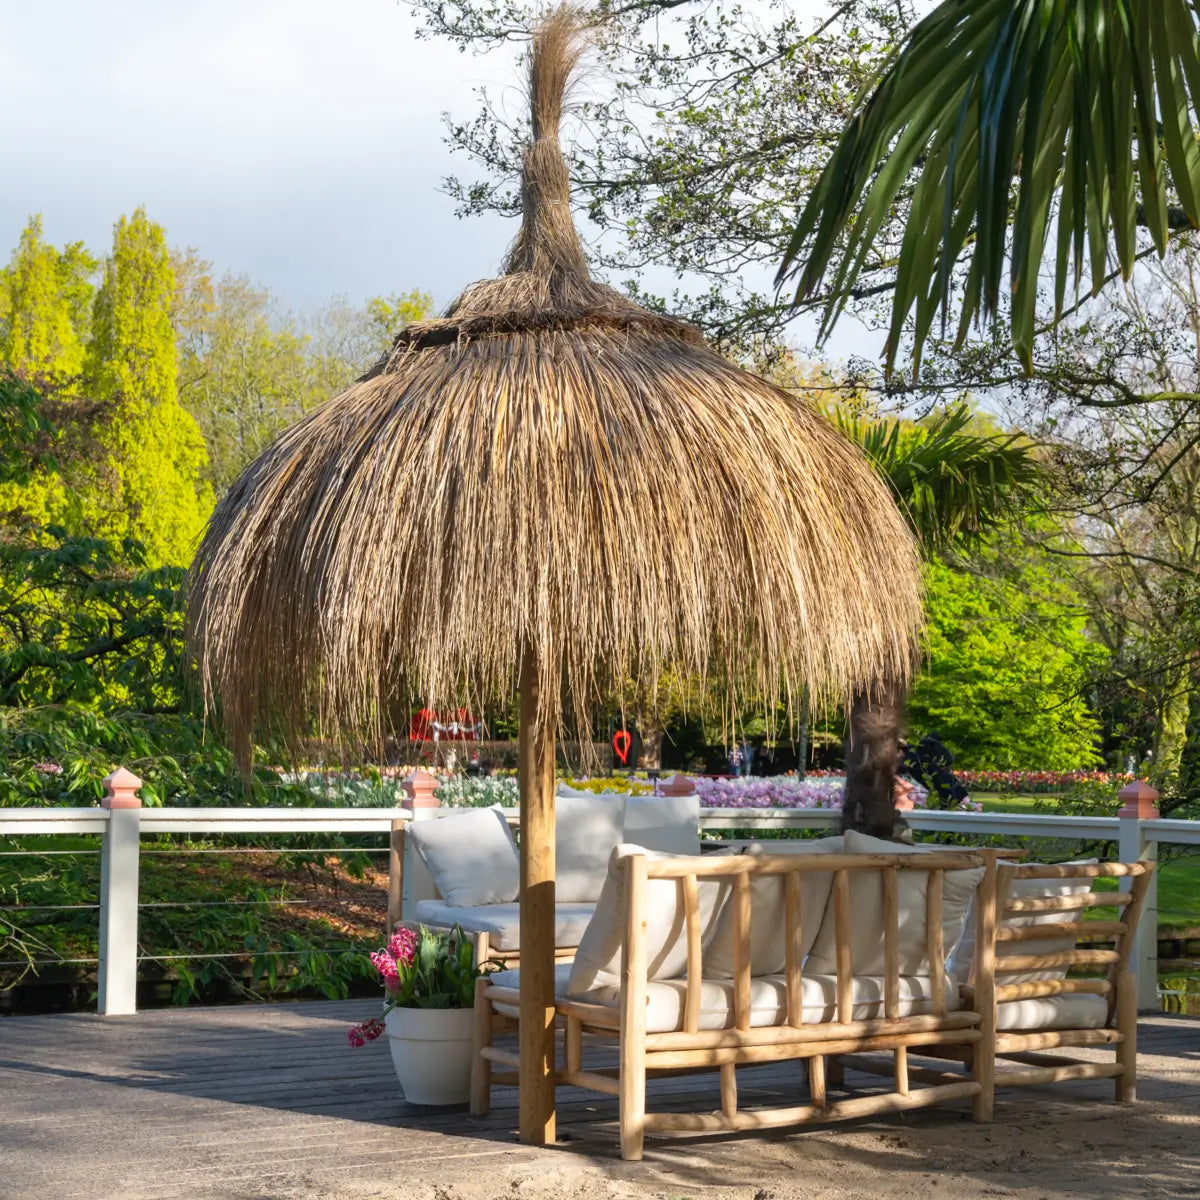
(684, 1008)
(689, 1019)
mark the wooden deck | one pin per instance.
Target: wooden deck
(270, 1102)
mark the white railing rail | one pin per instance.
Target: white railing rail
(121, 822)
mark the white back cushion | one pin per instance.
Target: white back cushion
(866, 912)
(962, 957)
(471, 855)
(587, 826)
(598, 959)
(668, 824)
(768, 912)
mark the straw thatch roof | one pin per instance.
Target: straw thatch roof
(547, 467)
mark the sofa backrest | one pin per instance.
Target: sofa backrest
(670, 909)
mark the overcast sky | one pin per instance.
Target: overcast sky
(297, 141)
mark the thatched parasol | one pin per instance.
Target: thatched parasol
(547, 488)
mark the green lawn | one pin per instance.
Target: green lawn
(1178, 879)
(1007, 802)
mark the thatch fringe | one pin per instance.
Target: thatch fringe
(550, 467)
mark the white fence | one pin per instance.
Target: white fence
(121, 827)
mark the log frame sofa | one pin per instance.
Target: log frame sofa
(1014, 930)
(759, 1035)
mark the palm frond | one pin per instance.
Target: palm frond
(1089, 101)
(954, 484)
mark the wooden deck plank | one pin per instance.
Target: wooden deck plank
(269, 1100)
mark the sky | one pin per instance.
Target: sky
(296, 141)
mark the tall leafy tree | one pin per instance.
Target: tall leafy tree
(45, 301)
(44, 298)
(1009, 657)
(149, 485)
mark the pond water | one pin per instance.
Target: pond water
(1179, 991)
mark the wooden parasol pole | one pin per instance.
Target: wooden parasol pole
(536, 766)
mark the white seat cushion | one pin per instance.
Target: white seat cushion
(598, 959)
(502, 922)
(587, 826)
(768, 999)
(512, 979)
(866, 912)
(668, 824)
(768, 912)
(1079, 1011)
(471, 855)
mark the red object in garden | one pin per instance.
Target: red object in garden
(621, 742)
(425, 725)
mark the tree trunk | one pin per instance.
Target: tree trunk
(652, 735)
(872, 752)
(1170, 733)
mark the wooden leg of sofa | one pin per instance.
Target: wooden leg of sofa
(1126, 1082)
(816, 1080)
(632, 1099)
(835, 1072)
(481, 1068)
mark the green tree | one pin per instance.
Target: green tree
(149, 485)
(1008, 658)
(44, 297)
(248, 371)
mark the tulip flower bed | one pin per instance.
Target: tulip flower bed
(789, 791)
(1039, 782)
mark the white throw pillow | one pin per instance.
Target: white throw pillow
(587, 826)
(866, 912)
(668, 824)
(962, 958)
(768, 912)
(471, 855)
(598, 959)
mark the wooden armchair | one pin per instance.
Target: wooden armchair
(1030, 934)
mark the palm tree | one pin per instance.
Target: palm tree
(990, 111)
(955, 484)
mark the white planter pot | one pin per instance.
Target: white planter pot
(431, 1050)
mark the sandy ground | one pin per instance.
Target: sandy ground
(268, 1104)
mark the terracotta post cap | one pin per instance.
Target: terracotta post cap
(420, 787)
(681, 785)
(121, 790)
(1138, 800)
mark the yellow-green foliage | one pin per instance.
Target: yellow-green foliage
(45, 298)
(42, 293)
(154, 454)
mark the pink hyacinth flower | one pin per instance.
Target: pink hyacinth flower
(402, 946)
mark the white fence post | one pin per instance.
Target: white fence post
(1139, 805)
(119, 894)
